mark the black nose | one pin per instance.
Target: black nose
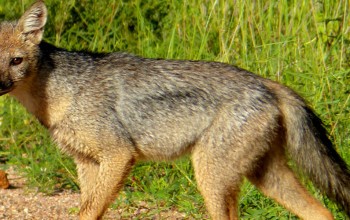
(5, 86)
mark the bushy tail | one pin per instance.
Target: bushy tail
(310, 147)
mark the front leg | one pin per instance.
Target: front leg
(103, 161)
(105, 183)
(87, 174)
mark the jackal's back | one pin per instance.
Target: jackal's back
(157, 102)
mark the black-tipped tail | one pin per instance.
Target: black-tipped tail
(310, 147)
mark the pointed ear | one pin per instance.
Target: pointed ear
(31, 24)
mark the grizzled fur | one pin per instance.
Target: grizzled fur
(110, 110)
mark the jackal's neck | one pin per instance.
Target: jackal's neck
(40, 101)
(44, 93)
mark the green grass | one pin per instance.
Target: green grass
(302, 44)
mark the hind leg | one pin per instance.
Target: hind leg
(276, 180)
(219, 188)
(226, 152)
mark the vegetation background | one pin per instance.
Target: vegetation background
(302, 44)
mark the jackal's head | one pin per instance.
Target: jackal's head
(19, 47)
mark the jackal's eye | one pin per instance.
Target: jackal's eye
(16, 61)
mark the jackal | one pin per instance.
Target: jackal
(110, 110)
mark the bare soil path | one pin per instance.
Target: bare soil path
(20, 203)
(17, 202)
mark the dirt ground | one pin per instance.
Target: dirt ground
(19, 203)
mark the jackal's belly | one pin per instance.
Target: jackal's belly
(169, 140)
